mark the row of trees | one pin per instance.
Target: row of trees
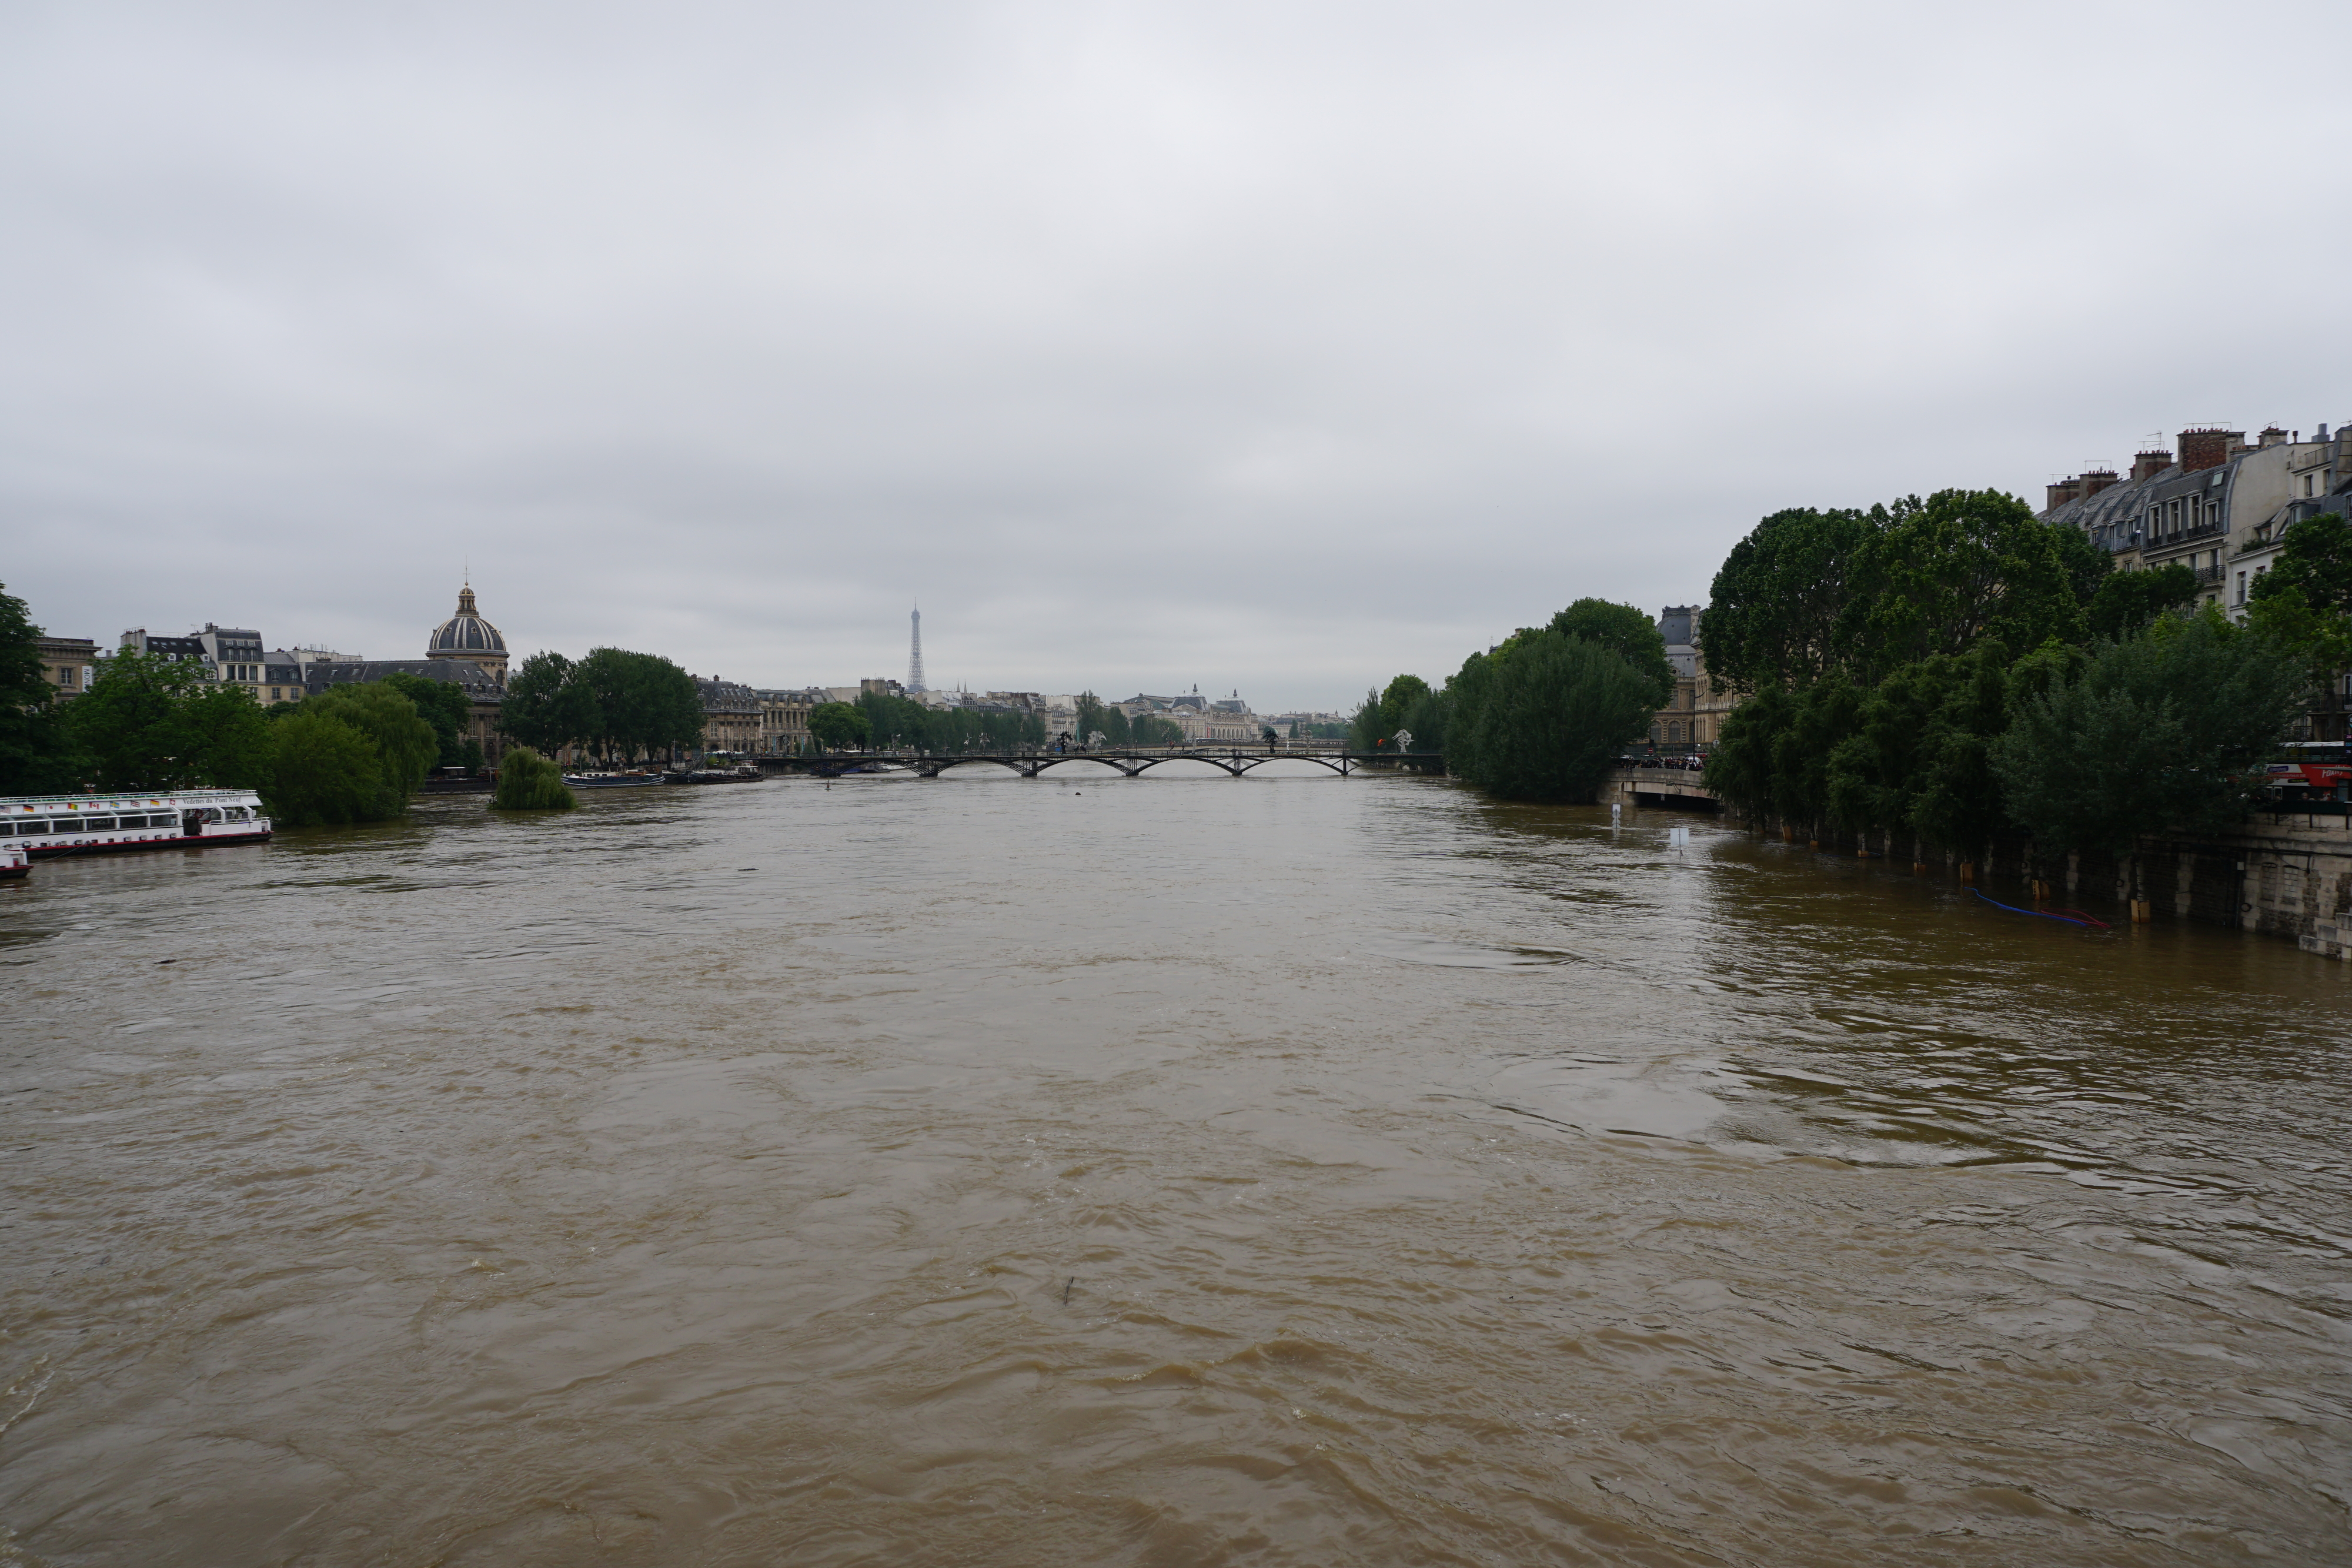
(617, 705)
(898, 722)
(350, 754)
(1540, 715)
(1952, 670)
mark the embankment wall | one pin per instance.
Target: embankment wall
(2287, 877)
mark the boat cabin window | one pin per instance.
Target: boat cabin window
(35, 825)
(212, 814)
(168, 820)
(97, 824)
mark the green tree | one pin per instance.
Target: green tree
(2320, 640)
(405, 743)
(444, 706)
(225, 738)
(545, 708)
(1089, 721)
(132, 724)
(2086, 566)
(1959, 566)
(529, 782)
(1368, 727)
(1150, 729)
(1626, 631)
(2159, 733)
(1115, 729)
(2126, 602)
(1774, 607)
(836, 725)
(2315, 559)
(37, 755)
(322, 771)
(1397, 699)
(643, 704)
(1559, 711)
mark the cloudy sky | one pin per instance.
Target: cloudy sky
(1273, 346)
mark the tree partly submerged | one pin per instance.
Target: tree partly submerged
(529, 782)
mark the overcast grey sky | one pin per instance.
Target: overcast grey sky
(1278, 346)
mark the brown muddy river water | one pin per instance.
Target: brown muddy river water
(1155, 1172)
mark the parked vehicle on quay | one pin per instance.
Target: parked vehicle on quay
(45, 826)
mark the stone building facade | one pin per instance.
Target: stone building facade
(1692, 718)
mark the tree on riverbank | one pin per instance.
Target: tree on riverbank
(403, 744)
(322, 771)
(619, 705)
(836, 725)
(445, 707)
(2159, 733)
(37, 756)
(149, 722)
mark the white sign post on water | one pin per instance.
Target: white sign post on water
(1678, 838)
(1616, 815)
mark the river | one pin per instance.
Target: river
(1169, 1171)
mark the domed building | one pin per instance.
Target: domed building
(466, 635)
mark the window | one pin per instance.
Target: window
(2241, 590)
(36, 825)
(97, 824)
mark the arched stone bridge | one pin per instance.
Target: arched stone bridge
(1130, 764)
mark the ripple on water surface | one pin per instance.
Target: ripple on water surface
(1290, 1170)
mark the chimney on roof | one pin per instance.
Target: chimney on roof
(2062, 491)
(2097, 480)
(2272, 435)
(2148, 464)
(2208, 446)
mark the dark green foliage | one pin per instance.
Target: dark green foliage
(1383, 713)
(836, 725)
(1626, 631)
(1545, 717)
(1369, 725)
(903, 724)
(1089, 724)
(322, 771)
(2126, 601)
(643, 704)
(2315, 559)
(1150, 729)
(544, 709)
(2320, 640)
(404, 742)
(153, 723)
(1935, 576)
(445, 706)
(1774, 608)
(2086, 566)
(37, 756)
(1908, 756)
(529, 782)
(2153, 734)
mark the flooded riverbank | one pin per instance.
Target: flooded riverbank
(1164, 1171)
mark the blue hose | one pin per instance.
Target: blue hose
(2037, 914)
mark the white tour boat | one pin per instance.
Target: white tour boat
(158, 820)
(14, 862)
